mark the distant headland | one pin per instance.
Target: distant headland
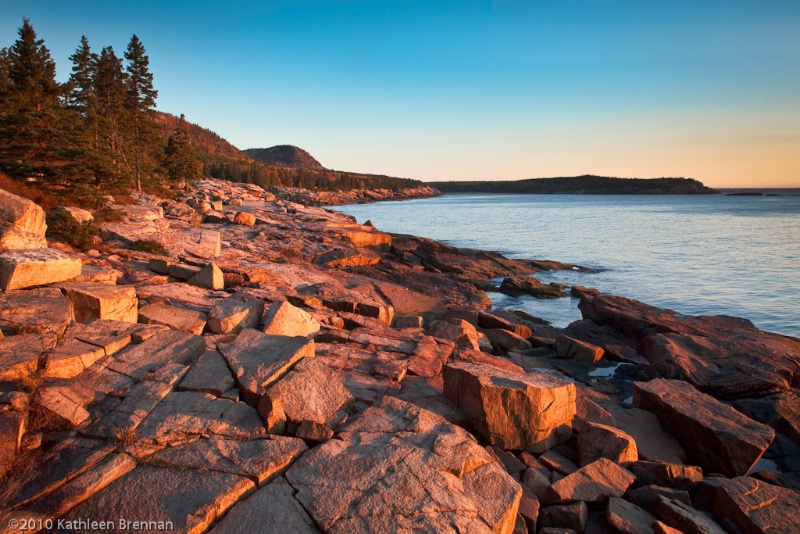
(582, 185)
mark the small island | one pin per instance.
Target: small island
(582, 185)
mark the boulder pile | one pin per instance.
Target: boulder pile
(275, 367)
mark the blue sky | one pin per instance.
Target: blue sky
(447, 90)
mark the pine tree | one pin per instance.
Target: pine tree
(5, 81)
(180, 158)
(83, 105)
(140, 104)
(110, 94)
(81, 81)
(34, 142)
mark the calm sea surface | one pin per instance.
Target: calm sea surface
(700, 255)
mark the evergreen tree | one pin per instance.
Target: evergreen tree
(110, 94)
(140, 104)
(34, 140)
(83, 105)
(5, 81)
(180, 157)
(81, 81)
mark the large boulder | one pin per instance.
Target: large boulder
(701, 350)
(748, 505)
(102, 301)
(399, 468)
(259, 360)
(235, 313)
(283, 319)
(165, 347)
(22, 223)
(718, 437)
(19, 355)
(20, 269)
(460, 332)
(521, 411)
(43, 310)
(312, 392)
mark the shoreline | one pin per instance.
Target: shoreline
(684, 278)
(270, 352)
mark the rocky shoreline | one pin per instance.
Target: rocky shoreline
(351, 196)
(234, 361)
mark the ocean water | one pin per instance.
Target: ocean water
(699, 255)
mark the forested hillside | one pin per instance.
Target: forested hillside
(100, 133)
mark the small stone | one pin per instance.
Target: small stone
(210, 375)
(529, 510)
(76, 214)
(175, 318)
(595, 482)
(601, 441)
(183, 272)
(685, 518)
(647, 496)
(491, 321)
(22, 223)
(665, 474)
(407, 322)
(572, 516)
(628, 518)
(244, 218)
(209, 277)
(568, 347)
(536, 481)
(160, 265)
(313, 432)
(505, 341)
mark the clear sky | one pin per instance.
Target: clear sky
(455, 90)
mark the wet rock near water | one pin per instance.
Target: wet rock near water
(282, 368)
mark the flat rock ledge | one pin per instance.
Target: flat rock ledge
(283, 368)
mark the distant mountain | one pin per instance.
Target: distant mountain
(283, 165)
(583, 185)
(284, 156)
